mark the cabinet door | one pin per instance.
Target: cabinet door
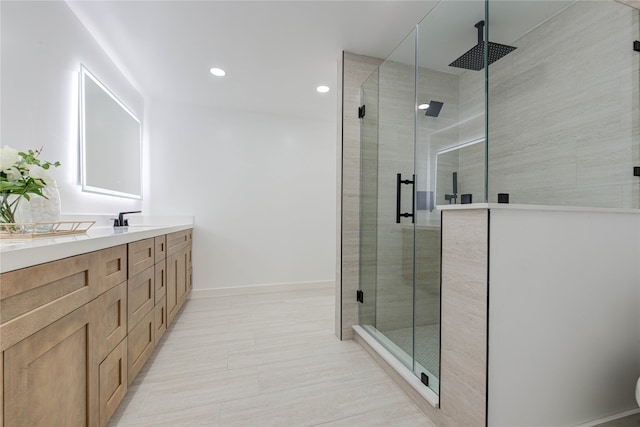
(176, 282)
(160, 320)
(49, 377)
(109, 319)
(140, 296)
(182, 290)
(112, 381)
(140, 344)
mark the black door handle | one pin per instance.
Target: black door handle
(399, 182)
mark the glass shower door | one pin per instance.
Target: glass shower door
(388, 203)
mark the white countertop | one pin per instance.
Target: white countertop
(21, 253)
(508, 206)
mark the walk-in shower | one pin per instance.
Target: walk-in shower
(529, 128)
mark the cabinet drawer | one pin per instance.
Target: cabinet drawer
(112, 381)
(109, 317)
(139, 346)
(34, 297)
(160, 320)
(141, 256)
(178, 241)
(140, 296)
(161, 280)
(110, 268)
(161, 248)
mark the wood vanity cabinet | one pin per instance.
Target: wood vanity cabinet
(51, 338)
(178, 271)
(160, 309)
(75, 332)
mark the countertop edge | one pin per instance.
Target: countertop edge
(516, 207)
(67, 246)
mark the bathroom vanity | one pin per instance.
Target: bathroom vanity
(80, 316)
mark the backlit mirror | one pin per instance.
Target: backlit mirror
(111, 143)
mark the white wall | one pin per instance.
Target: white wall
(564, 314)
(43, 45)
(261, 187)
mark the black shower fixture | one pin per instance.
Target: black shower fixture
(433, 110)
(473, 59)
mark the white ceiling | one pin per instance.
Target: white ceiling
(448, 31)
(275, 52)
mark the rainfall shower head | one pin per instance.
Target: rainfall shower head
(473, 59)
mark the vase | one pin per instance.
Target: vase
(38, 209)
(8, 206)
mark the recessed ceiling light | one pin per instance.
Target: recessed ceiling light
(423, 106)
(323, 89)
(218, 72)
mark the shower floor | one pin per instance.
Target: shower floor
(427, 346)
(399, 343)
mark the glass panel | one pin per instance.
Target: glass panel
(449, 156)
(368, 199)
(394, 313)
(387, 244)
(564, 126)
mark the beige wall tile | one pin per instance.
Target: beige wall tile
(355, 70)
(464, 316)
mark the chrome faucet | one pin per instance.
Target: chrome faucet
(121, 221)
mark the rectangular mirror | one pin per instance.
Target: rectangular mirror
(110, 140)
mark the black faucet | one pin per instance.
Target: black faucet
(121, 221)
(453, 197)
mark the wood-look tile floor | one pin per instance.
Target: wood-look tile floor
(268, 359)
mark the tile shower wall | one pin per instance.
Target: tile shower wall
(355, 70)
(395, 244)
(394, 295)
(369, 198)
(564, 117)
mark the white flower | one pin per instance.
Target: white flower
(37, 172)
(13, 174)
(8, 157)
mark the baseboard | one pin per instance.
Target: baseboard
(260, 289)
(611, 418)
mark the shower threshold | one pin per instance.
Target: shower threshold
(399, 366)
